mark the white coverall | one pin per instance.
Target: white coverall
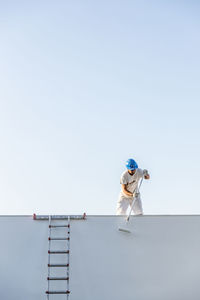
(131, 182)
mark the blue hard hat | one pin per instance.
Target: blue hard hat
(131, 164)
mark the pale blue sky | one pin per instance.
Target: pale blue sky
(85, 85)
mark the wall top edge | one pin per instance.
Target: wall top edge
(150, 215)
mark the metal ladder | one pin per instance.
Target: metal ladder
(64, 251)
(58, 252)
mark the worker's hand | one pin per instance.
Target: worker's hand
(130, 194)
(125, 191)
(146, 174)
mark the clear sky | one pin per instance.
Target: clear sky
(85, 85)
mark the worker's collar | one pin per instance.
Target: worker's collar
(132, 173)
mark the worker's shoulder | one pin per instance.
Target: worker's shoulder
(140, 171)
(124, 177)
(125, 173)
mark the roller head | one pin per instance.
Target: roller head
(124, 230)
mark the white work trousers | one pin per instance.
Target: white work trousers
(123, 204)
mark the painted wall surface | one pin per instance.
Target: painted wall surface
(159, 259)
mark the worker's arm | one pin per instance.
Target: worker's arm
(125, 191)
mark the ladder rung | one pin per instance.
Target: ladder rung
(59, 252)
(57, 278)
(58, 265)
(58, 239)
(57, 292)
(54, 226)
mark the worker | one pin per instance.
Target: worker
(129, 183)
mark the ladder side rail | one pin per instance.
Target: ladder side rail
(49, 261)
(68, 256)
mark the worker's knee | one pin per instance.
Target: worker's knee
(120, 212)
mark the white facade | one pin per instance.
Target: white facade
(159, 259)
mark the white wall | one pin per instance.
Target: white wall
(158, 260)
